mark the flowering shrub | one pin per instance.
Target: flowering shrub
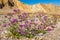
(24, 25)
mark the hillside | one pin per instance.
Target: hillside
(46, 8)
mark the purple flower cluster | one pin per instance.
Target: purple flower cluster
(26, 24)
(14, 20)
(23, 15)
(16, 10)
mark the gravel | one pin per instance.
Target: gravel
(53, 35)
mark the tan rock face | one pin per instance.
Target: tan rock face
(3, 3)
(46, 8)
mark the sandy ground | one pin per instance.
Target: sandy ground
(53, 35)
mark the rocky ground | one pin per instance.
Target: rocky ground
(53, 35)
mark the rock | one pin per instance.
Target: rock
(6, 2)
(10, 3)
(53, 35)
(46, 8)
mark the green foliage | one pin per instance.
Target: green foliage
(43, 31)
